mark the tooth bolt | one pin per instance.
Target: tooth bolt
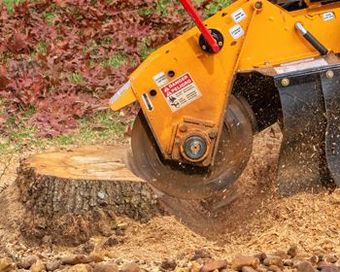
(285, 82)
(329, 74)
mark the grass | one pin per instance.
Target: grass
(144, 49)
(216, 6)
(76, 78)
(102, 127)
(116, 60)
(49, 17)
(161, 7)
(10, 4)
(5, 58)
(41, 47)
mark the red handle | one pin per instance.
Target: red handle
(188, 6)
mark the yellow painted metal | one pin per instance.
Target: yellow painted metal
(269, 39)
(272, 39)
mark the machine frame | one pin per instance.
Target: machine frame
(183, 88)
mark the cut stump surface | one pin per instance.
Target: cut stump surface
(86, 163)
(74, 194)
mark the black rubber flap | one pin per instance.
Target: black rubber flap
(331, 91)
(310, 151)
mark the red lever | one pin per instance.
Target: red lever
(188, 6)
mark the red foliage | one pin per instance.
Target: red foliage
(44, 43)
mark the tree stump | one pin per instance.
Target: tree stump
(71, 195)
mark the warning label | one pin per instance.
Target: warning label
(236, 32)
(328, 16)
(181, 92)
(160, 79)
(238, 15)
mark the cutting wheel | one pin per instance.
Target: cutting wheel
(193, 182)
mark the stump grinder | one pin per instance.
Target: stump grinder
(205, 94)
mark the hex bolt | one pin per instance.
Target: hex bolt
(220, 43)
(285, 82)
(176, 156)
(204, 47)
(258, 5)
(329, 74)
(183, 128)
(206, 163)
(213, 133)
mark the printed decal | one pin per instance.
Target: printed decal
(328, 16)
(239, 15)
(300, 65)
(236, 32)
(160, 79)
(181, 92)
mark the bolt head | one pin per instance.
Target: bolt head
(206, 162)
(258, 5)
(213, 133)
(329, 74)
(285, 82)
(183, 128)
(220, 43)
(204, 47)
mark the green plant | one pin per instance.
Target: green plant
(11, 3)
(216, 6)
(162, 7)
(49, 17)
(116, 60)
(76, 78)
(41, 47)
(145, 50)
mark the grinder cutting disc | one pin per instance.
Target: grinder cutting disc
(189, 181)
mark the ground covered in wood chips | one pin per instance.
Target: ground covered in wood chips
(249, 219)
(60, 61)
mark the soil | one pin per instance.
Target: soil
(249, 218)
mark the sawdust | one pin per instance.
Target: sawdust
(161, 238)
(249, 218)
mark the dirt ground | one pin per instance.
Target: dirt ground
(248, 219)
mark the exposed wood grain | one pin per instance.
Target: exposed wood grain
(77, 193)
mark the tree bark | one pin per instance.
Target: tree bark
(70, 196)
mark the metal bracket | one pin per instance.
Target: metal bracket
(191, 127)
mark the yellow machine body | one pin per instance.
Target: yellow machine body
(257, 35)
